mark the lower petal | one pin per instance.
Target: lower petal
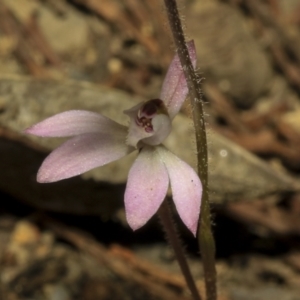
(146, 188)
(80, 154)
(186, 188)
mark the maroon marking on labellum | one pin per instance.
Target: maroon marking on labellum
(147, 112)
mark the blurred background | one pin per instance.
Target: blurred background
(70, 240)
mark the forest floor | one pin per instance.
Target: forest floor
(55, 245)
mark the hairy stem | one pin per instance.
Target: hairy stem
(205, 237)
(173, 238)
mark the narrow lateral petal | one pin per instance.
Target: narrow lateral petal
(74, 122)
(174, 89)
(82, 153)
(186, 188)
(146, 188)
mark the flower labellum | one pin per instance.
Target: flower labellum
(150, 123)
(97, 140)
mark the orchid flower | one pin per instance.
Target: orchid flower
(98, 140)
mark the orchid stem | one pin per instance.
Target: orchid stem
(205, 237)
(173, 238)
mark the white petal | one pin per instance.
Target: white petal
(80, 154)
(75, 122)
(186, 188)
(146, 188)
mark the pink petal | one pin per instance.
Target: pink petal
(146, 188)
(74, 122)
(174, 89)
(186, 188)
(82, 153)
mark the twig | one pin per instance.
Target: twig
(274, 218)
(291, 70)
(88, 245)
(261, 11)
(39, 40)
(172, 280)
(112, 12)
(23, 52)
(29, 39)
(223, 107)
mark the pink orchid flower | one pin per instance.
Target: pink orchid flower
(99, 140)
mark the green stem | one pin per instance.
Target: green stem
(205, 237)
(171, 233)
